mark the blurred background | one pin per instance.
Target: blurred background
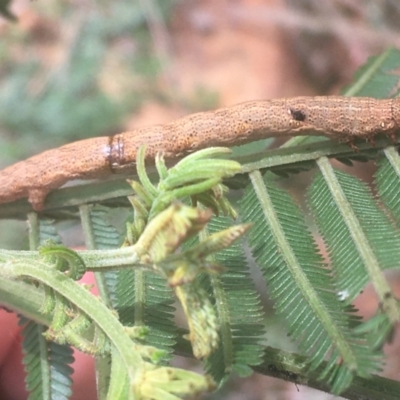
(82, 68)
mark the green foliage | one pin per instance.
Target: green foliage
(46, 364)
(345, 211)
(66, 260)
(145, 300)
(376, 77)
(301, 285)
(175, 249)
(90, 326)
(238, 311)
(101, 234)
(387, 179)
(139, 302)
(42, 231)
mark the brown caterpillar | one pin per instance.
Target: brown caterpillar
(344, 118)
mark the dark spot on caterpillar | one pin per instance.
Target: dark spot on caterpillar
(298, 115)
(52, 169)
(387, 295)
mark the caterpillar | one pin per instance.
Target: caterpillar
(343, 118)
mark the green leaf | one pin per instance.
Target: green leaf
(201, 318)
(47, 364)
(301, 285)
(387, 180)
(166, 383)
(361, 240)
(377, 77)
(144, 299)
(119, 385)
(64, 259)
(42, 231)
(101, 234)
(238, 309)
